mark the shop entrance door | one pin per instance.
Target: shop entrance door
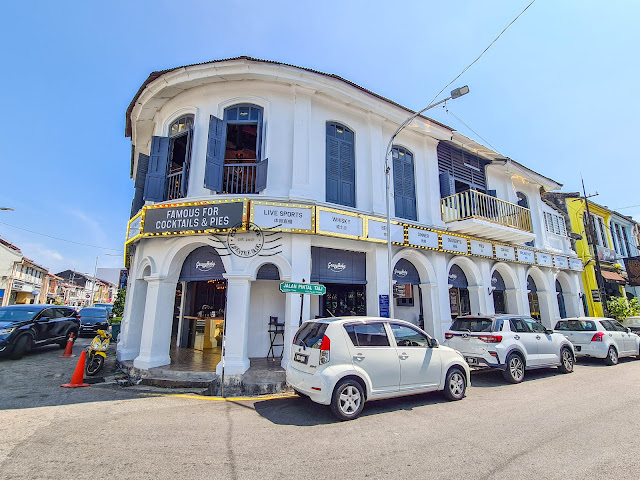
(204, 315)
(343, 300)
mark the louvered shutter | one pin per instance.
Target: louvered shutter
(184, 181)
(261, 175)
(347, 175)
(333, 169)
(409, 188)
(215, 155)
(141, 175)
(156, 180)
(446, 184)
(398, 184)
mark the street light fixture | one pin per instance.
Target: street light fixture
(456, 93)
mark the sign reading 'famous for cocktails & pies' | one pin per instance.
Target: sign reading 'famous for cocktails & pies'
(180, 218)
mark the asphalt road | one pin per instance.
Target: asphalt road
(552, 426)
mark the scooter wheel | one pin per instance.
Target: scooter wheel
(94, 365)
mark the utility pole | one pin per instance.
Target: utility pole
(598, 269)
(95, 280)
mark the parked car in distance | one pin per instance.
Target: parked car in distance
(600, 338)
(511, 343)
(345, 362)
(108, 306)
(93, 319)
(24, 327)
(633, 323)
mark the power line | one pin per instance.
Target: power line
(622, 208)
(61, 239)
(476, 133)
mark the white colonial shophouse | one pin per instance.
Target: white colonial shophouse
(300, 155)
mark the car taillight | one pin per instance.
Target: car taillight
(448, 335)
(325, 347)
(78, 317)
(490, 338)
(597, 337)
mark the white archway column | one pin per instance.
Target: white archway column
(477, 298)
(156, 329)
(236, 359)
(548, 308)
(443, 321)
(133, 319)
(572, 304)
(521, 271)
(431, 309)
(514, 301)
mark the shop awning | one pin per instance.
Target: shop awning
(613, 277)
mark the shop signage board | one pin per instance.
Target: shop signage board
(383, 305)
(595, 294)
(632, 266)
(561, 262)
(483, 249)
(544, 259)
(303, 288)
(402, 290)
(454, 244)
(338, 224)
(419, 237)
(505, 253)
(377, 231)
(201, 217)
(282, 217)
(575, 264)
(526, 256)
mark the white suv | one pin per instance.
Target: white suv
(600, 338)
(511, 343)
(344, 362)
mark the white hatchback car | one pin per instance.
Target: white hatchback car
(511, 343)
(600, 338)
(344, 362)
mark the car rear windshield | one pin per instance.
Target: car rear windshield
(8, 314)
(310, 334)
(577, 325)
(93, 312)
(473, 324)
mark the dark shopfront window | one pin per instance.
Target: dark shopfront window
(343, 300)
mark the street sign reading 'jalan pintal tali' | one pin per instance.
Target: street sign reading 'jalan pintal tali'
(304, 288)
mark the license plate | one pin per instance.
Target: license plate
(578, 348)
(298, 357)
(471, 361)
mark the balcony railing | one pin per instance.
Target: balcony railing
(174, 180)
(473, 204)
(239, 178)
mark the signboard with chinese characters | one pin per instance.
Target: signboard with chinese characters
(419, 237)
(632, 266)
(201, 217)
(544, 259)
(454, 244)
(575, 264)
(561, 262)
(338, 224)
(484, 249)
(377, 231)
(282, 217)
(505, 253)
(526, 256)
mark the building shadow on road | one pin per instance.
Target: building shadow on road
(494, 378)
(303, 412)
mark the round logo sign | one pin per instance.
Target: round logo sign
(245, 244)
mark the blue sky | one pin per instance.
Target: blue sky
(556, 92)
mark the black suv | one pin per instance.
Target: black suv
(23, 327)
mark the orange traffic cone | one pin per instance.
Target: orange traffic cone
(78, 374)
(69, 347)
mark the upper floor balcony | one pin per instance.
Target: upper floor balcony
(475, 213)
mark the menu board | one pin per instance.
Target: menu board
(422, 238)
(561, 262)
(526, 256)
(282, 217)
(575, 264)
(377, 230)
(338, 224)
(484, 249)
(505, 253)
(454, 244)
(544, 259)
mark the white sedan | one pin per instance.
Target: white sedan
(600, 338)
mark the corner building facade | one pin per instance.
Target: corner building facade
(249, 173)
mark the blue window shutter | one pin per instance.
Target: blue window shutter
(347, 175)
(409, 189)
(492, 193)
(215, 155)
(446, 187)
(155, 183)
(141, 176)
(333, 169)
(261, 175)
(184, 181)
(137, 202)
(398, 184)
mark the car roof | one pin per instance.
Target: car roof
(584, 318)
(361, 319)
(27, 307)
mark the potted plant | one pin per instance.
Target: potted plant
(118, 308)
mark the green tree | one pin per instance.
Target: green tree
(620, 308)
(118, 304)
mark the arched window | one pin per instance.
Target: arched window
(523, 201)
(561, 306)
(534, 303)
(243, 133)
(340, 165)
(459, 300)
(404, 187)
(498, 288)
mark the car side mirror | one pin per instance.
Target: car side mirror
(43, 319)
(548, 331)
(433, 343)
(628, 330)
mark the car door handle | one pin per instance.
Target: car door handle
(403, 356)
(358, 357)
(538, 337)
(516, 337)
(611, 334)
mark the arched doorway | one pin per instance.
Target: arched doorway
(499, 293)
(561, 305)
(200, 304)
(408, 297)
(267, 314)
(534, 302)
(459, 301)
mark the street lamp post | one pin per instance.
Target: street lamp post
(456, 93)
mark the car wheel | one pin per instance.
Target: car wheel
(612, 356)
(23, 345)
(94, 364)
(567, 360)
(348, 400)
(514, 373)
(455, 385)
